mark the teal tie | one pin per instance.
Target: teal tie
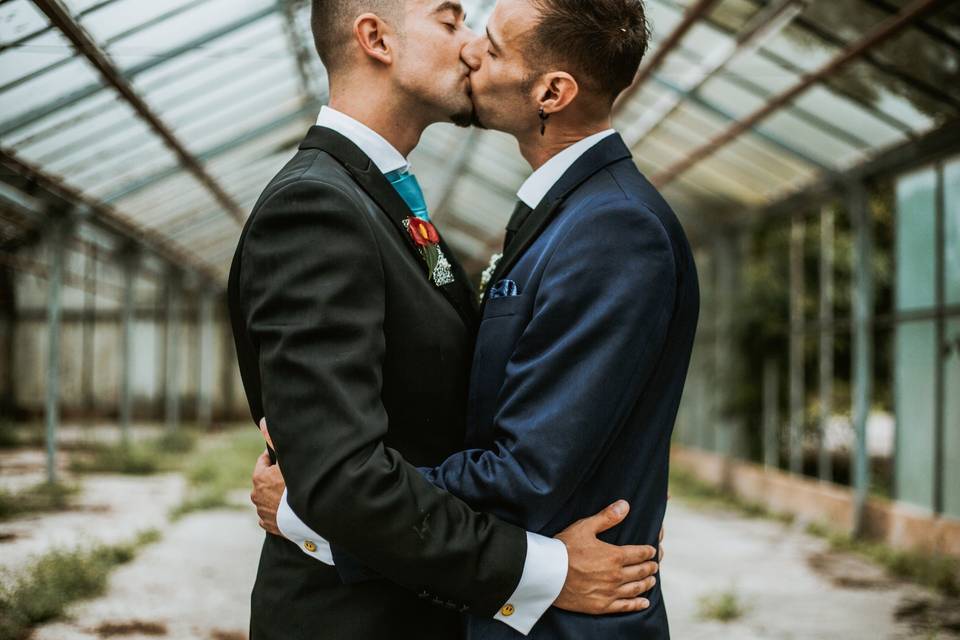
(409, 189)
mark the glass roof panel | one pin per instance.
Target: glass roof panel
(850, 117)
(891, 99)
(473, 202)
(61, 81)
(181, 29)
(119, 17)
(53, 124)
(19, 64)
(259, 111)
(826, 149)
(232, 47)
(18, 19)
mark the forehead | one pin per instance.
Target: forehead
(512, 19)
(429, 7)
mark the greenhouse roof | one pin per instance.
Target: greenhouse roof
(165, 120)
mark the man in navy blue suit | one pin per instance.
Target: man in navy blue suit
(588, 317)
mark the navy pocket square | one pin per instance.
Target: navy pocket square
(504, 289)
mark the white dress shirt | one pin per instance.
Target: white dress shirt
(545, 565)
(536, 187)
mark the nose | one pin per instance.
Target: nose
(471, 52)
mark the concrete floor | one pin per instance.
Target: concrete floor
(790, 585)
(194, 583)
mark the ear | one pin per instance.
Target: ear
(374, 36)
(557, 90)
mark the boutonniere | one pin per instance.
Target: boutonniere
(487, 274)
(427, 239)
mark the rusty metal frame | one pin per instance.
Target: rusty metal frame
(104, 216)
(761, 26)
(84, 43)
(690, 19)
(883, 32)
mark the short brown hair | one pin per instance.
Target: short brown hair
(602, 41)
(332, 20)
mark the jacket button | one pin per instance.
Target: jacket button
(507, 610)
(310, 546)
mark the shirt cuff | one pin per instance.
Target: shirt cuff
(296, 531)
(544, 573)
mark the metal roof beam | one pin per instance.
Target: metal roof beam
(883, 32)
(690, 18)
(888, 68)
(35, 115)
(19, 42)
(60, 16)
(129, 32)
(898, 159)
(767, 23)
(102, 215)
(700, 101)
(219, 150)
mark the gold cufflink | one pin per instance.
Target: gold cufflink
(310, 546)
(507, 610)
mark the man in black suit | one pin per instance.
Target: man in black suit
(354, 327)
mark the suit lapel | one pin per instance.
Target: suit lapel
(376, 185)
(598, 157)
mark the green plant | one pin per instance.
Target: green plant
(43, 590)
(213, 471)
(38, 498)
(723, 607)
(689, 488)
(937, 571)
(163, 453)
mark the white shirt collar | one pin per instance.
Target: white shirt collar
(535, 189)
(382, 153)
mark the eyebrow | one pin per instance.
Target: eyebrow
(449, 5)
(493, 41)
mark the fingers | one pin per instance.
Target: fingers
(628, 605)
(636, 589)
(265, 433)
(263, 461)
(637, 554)
(269, 527)
(639, 572)
(609, 517)
(660, 537)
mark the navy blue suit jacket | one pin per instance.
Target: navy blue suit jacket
(576, 381)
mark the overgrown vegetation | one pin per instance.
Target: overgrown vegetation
(163, 453)
(36, 499)
(937, 571)
(15, 436)
(218, 468)
(42, 591)
(723, 607)
(687, 487)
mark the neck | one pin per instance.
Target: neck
(537, 149)
(387, 117)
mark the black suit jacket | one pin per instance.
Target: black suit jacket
(360, 364)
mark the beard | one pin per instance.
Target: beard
(467, 118)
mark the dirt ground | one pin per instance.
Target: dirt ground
(194, 584)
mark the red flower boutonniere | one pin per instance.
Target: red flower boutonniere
(427, 239)
(422, 232)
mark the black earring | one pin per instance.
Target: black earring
(543, 121)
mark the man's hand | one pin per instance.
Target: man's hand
(605, 578)
(268, 486)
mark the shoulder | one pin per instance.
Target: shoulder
(311, 174)
(615, 216)
(310, 209)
